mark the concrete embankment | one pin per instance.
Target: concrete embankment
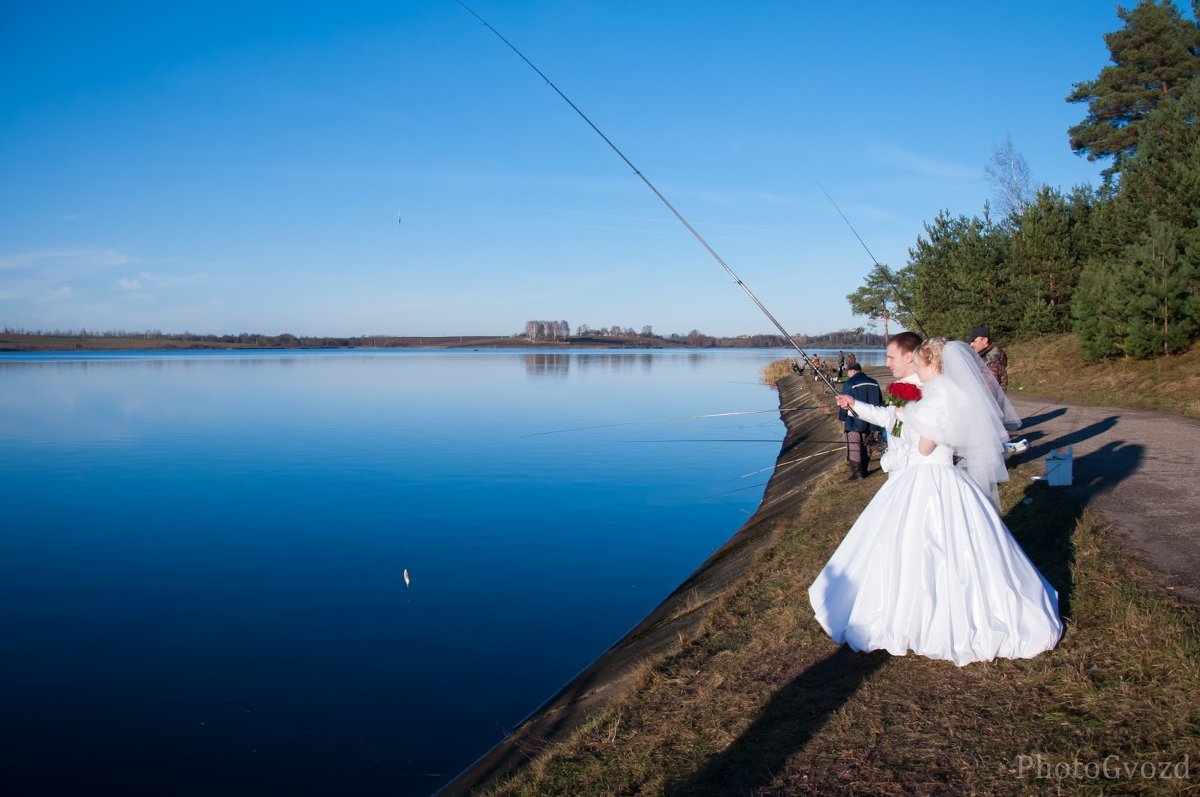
(806, 453)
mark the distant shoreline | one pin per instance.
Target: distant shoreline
(18, 342)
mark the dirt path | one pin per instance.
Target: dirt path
(1137, 468)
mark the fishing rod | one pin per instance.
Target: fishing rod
(737, 280)
(883, 270)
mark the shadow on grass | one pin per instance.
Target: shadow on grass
(1044, 520)
(795, 714)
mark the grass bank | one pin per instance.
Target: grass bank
(759, 700)
(1051, 366)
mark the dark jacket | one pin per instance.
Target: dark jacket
(862, 388)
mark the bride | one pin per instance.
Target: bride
(929, 566)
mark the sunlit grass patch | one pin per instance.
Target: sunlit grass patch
(1051, 366)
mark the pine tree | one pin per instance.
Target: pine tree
(1164, 178)
(1153, 58)
(1158, 282)
(1099, 328)
(1045, 252)
(880, 298)
(958, 277)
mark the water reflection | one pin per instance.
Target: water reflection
(540, 364)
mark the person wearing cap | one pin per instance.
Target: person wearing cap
(858, 432)
(980, 339)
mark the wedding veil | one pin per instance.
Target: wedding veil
(975, 419)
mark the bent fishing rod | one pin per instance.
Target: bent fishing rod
(737, 280)
(883, 270)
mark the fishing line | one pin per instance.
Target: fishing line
(797, 460)
(671, 420)
(727, 440)
(764, 484)
(882, 268)
(735, 382)
(730, 492)
(700, 238)
(709, 440)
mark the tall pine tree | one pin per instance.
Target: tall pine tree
(1140, 292)
(1153, 58)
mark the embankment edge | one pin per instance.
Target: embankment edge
(806, 453)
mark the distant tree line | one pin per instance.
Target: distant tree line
(285, 340)
(547, 330)
(1118, 266)
(843, 339)
(615, 336)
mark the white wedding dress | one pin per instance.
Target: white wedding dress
(930, 567)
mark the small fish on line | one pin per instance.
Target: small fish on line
(407, 580)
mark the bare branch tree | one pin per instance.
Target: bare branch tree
(1012, 182)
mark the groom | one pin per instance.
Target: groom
(901, 360)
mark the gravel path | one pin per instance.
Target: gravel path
(1138, 469)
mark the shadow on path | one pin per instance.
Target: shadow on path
(1034, 420)
(1106, 467)
(1071, 438)
(793, 716)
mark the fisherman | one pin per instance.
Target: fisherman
(980, 339)
(862, 388)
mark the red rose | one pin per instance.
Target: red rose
(903, 392)
(899, 394)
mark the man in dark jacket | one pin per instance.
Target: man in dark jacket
(980, 339)
(862, 388)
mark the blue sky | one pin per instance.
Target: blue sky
(236, 167)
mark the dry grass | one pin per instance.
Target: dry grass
(774, 371)
(1051, 366)
(762, 702)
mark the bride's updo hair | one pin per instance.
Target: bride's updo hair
(930, 353)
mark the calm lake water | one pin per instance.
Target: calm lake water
(203, 555)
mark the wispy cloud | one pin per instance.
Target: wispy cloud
(129, 284)
(72, 258)
(147, 278)
(911, 161)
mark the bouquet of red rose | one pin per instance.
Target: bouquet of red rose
(898, 394)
